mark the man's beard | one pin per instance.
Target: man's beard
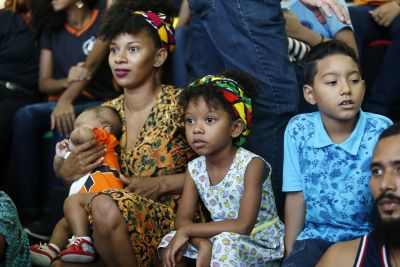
(387, 232)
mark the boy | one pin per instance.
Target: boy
(104, 124)
(326, 157)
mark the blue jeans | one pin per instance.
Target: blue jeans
(195, 55)
(384, 96)
(29, 125)
(307, 252)
(250, 36)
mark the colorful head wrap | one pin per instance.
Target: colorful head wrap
(233, 93)
(163, 25)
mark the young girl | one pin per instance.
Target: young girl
(233, 183)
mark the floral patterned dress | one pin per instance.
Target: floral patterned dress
(160, 149)
(264, 246)
(17, 243)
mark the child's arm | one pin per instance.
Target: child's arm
(186, 209)
(249, 207)
(295, 211)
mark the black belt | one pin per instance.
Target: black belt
(17, 88)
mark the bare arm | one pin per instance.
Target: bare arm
(295, 211)
(249, 207)
(155, 187)
(341, 254)
(63, 115)
(296, 30)
(47, 83)
(243, 224)
(184, 14)
(346, 35)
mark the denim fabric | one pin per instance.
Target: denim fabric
(179, 72)
(384, 96)
(307, 252)
(29, 125)
(250, 36)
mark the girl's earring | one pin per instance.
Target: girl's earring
(79, 4)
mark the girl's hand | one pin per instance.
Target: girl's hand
(83, 159)
(147, 187)
(204, 253)
(175, 249)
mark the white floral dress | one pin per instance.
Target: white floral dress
(264, 246)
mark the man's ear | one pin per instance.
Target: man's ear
(237, 128)
(160, 57)
(308, 93)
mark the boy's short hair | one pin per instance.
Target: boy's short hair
(108, 115)
(321, 51)
(390, 131)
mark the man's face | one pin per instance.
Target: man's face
(385, 178)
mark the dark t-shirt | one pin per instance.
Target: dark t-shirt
(71, 46)
(19, 54)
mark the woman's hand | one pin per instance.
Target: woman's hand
(63, 117)
(326, 6)
(83, 159)
(386, 13)
(78, 73)
(175, 249)
(149, 187)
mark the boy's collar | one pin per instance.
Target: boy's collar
(351, 145)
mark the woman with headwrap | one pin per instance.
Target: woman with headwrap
(129, 224)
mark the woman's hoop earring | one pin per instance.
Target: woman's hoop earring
(79, 4)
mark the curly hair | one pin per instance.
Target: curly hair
(214, 99)
(120, 18)
(46, 20)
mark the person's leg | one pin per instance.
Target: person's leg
(76, 214)
(142, 225)
(179, 72)
(307, 252)
(257, 45)
(29, 124)
(110, 233)
(60, 234)
(8, 107)
(202, 57)
(384, 97)
(44, 254)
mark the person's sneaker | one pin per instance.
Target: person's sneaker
(79, 249)
(43, 254)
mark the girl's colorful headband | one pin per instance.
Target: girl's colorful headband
(233, 93)
(163, 24)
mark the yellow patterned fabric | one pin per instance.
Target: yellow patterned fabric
(160, 149)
